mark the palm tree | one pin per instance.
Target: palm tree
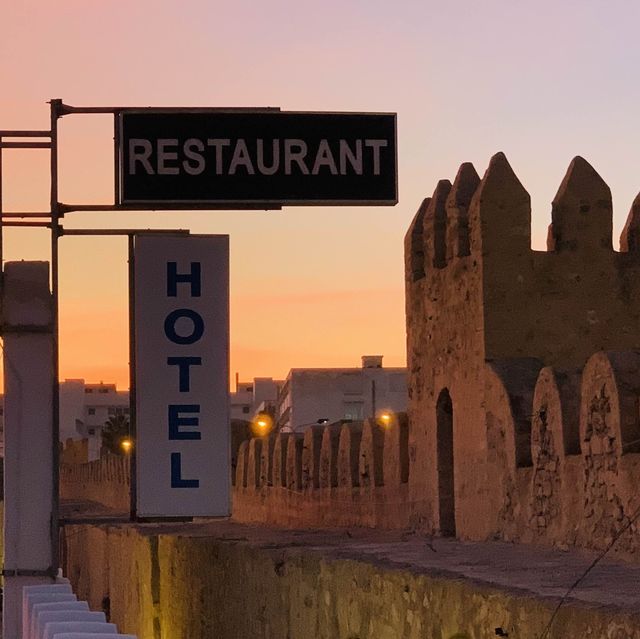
(115, 429)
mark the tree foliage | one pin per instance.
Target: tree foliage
(115, 429)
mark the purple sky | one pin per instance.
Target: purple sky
(540, 81)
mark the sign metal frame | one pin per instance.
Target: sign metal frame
(260, 204)
(215, 336)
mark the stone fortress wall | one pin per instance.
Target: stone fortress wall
(328, 477)
(524, 412)
(104, 481)
(524, 385)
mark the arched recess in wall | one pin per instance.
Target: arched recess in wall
(446, 484)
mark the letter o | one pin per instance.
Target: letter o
(170, 326)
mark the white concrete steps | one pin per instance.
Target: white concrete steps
(54, 606)
(91, 635)
(55, 628)
(52, 611)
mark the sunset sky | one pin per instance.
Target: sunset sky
(542, 81)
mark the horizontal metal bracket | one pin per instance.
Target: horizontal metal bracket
(4, 133)
(163, 520)
(22, 572)
(91, 521)
(68, 232)
(17, 328)
(25, 145)
(172, 206)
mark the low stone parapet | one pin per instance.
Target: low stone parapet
(232, 581)
(105, 481)
(349, 475)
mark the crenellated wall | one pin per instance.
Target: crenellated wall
(74, 451)
(581, 486)
(562, 465)
(486, 315)
(524, 384)
(105, 481)
(579, 489)
(329, 477)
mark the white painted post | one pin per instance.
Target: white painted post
(28, 428)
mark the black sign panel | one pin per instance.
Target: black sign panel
(212, 157)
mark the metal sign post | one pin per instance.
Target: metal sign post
(31, 418)
(205, 159)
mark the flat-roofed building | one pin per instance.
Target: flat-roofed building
(252, 397)
(86, 407)
(320, 395)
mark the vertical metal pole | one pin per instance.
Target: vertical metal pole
(116, 158)
(55, 234)
(1, 229)
(132, 378)
(1, 309)
(373, 399)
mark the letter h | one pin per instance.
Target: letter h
(174, 278)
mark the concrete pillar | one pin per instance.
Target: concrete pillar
(27, 313)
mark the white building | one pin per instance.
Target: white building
(250, 398)
(84, 409)
(312, 395)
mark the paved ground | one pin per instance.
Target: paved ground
(528, 570)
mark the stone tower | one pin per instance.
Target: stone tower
(482, 305)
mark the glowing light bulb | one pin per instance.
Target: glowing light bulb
(262, 425)
(385, 419)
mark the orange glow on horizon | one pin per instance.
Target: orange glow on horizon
(89, 332)
(315, 286)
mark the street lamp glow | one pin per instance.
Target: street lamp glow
(385, 419)
(261, 425)
(126, 444)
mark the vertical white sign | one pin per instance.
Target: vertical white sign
(182, 375)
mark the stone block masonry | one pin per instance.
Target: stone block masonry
(540, 439)
(231, 581)
(105, 481)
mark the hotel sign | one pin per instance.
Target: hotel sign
(182, 375)
(170, 158)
